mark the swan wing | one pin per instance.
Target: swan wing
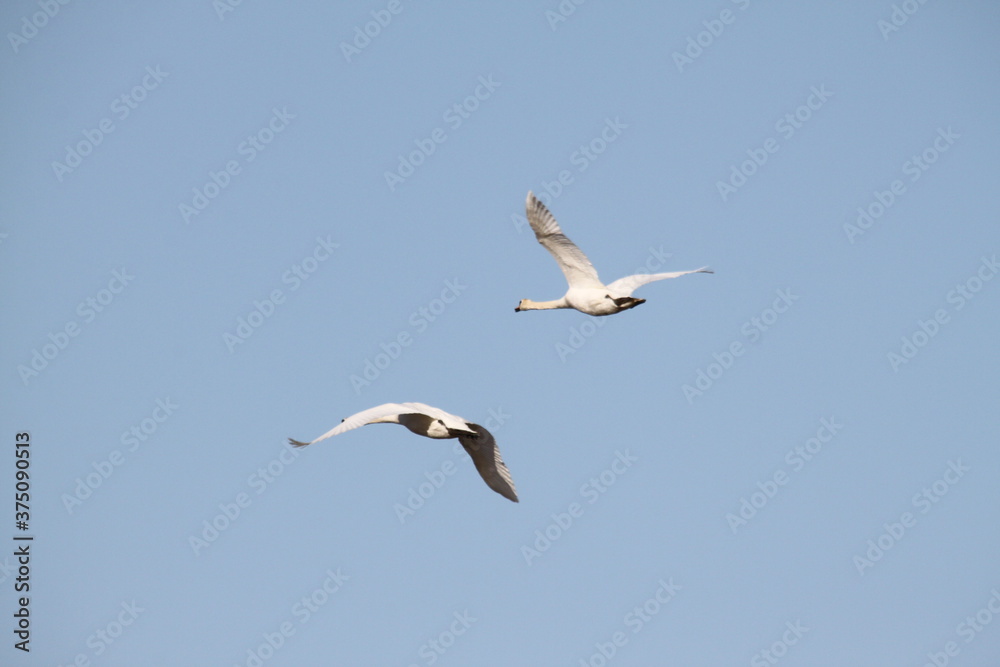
(364, 417)
(452, 422)
(575, 266)
(486, 457)
(625, 286)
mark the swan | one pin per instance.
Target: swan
(586, 291)
(432, 422)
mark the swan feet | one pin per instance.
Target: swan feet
(626, 302)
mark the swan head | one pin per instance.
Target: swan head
(521, 305)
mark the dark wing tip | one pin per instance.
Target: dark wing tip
(486, 457)
(536, 204)
(296, 443)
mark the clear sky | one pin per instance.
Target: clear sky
(226, 224)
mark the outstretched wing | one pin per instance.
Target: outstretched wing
(486, 457)
(575, 266)
(625, 286)
(362, 418)
(451, 422)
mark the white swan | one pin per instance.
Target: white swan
(586, 291)
(434, 423)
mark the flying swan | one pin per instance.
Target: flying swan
(434, 423)
(586, 291)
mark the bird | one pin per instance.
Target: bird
(586, 291)
(432, 422)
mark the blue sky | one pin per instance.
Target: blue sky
(229, 224)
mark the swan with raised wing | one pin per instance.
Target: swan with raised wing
(431, 422)
(586, 291)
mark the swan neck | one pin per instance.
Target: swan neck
(528, 304)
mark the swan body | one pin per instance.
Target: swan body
(432, 422)
(586, 291)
